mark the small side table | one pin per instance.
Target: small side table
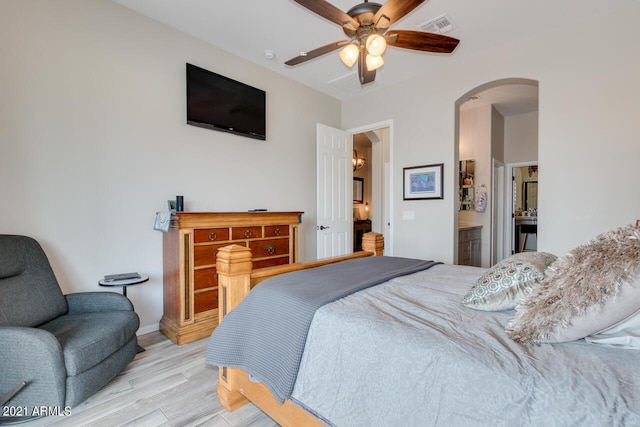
(124, 283)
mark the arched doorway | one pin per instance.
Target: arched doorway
(496, 125)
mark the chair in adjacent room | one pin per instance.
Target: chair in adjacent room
(56, 350)
(528, 229)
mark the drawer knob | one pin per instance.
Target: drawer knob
(276, 232)
(215, 299)
(215, 276)
(247, 233)
(213, 236)
(271, 249)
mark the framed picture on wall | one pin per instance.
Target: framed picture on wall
(423, 182)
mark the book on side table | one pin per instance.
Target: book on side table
(121, 276)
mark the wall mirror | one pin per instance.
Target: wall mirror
(467, 171)
(358, 190)
(525, 189)
(530, 195)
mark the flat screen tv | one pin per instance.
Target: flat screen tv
(220, 103)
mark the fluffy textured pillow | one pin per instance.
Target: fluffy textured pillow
(505, 284)
(595, 286)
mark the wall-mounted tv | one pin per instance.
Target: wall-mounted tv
(220, 103)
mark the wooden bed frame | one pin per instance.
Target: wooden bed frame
(235, 280)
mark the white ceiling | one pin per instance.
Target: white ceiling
(248, 28)
(509, 99)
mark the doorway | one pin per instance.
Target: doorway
(496, 125)
(375, 200)
(376, 206)
(524, 207)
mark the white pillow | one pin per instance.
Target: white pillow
(624, 334)
(594, 287)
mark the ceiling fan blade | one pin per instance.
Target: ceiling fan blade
(393, 10)
(312, 54)
(418, 40)
(365, 75)
(329, 11)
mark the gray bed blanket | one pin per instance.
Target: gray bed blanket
(408, 353)
(266, 334)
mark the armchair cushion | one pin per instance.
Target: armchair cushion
(29, 292)
(91, 302)
(88, 339)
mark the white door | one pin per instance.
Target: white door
(334, 192)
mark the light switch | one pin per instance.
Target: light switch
(408, 215)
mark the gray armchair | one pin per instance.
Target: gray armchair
(64, 347)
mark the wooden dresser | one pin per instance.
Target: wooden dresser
(190, 283)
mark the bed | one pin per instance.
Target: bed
(407, 352)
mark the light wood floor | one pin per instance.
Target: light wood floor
(166, 385)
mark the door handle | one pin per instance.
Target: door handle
(322, 227)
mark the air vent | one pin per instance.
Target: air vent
(440, 25)
(348, 83)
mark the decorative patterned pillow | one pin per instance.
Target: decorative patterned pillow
(505, 284)
(593, 287)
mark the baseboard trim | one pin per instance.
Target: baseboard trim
(148, 329)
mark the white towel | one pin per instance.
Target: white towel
(481, 198)
(163, 219)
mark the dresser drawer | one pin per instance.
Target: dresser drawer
(206, 254)
(467, 235)
(205, 278)
(270, 262)
(246, 233)
(276, 230)
(270, 247)
(210, 235)
(204, 301)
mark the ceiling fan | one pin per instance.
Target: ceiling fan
(366, 25)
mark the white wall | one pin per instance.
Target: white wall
(588, 89)
(498, 143)
(93, 140)
(93, 137)
(521, 138)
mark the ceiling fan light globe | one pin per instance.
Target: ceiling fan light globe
(349, 55)
(374, 62)
(376, 44)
